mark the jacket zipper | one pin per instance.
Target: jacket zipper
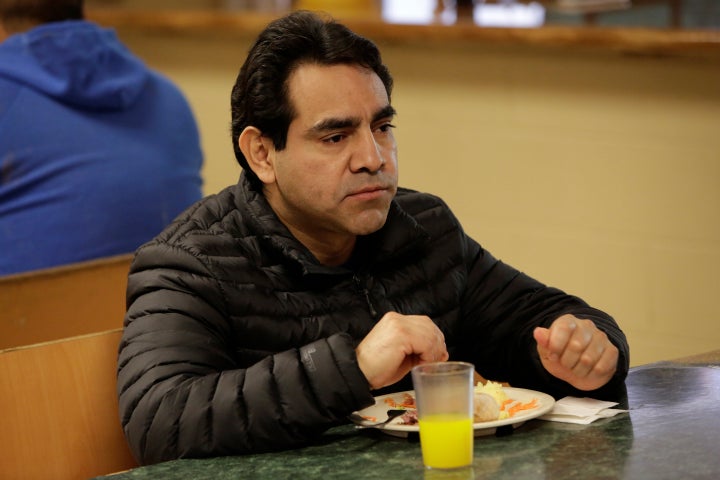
(362, 288)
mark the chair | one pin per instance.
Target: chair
(58, 410)
(66, 301)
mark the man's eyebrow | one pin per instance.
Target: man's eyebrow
(385, 112)
(335, 124)
(350, 122)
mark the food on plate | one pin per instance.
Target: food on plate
(494, 389)
(407, 401)
(409, 418)
(506, 407)
(513, 407)
(490, 402)
(485, 408)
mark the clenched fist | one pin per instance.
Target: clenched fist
(576, 351)
(396, 344)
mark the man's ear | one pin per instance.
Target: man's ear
(258, 151)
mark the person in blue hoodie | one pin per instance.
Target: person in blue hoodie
(97, 152)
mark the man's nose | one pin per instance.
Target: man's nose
(368, 155)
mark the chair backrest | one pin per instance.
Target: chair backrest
(67, 301)
(59, 412)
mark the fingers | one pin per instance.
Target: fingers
(414, 335)
(428, 342)
(542, 337)
(567, 342)
(559, 336)
(576, 351)
(396, 344)
(606, 366)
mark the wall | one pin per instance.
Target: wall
(597, 173)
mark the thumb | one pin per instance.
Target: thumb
(542, 337)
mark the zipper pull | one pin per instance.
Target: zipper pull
(359, 284)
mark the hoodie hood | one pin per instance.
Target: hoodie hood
(75, 62)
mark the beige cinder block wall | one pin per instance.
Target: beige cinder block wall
(595, 172)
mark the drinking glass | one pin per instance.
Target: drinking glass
(444, 396)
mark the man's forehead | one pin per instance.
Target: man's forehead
(320, 92)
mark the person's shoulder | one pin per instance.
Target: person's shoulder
(429, 211)
(205, 217)
(164, 82)
(415, 202)
(9, 89)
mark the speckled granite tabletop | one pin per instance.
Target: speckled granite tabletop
(707, 358)
(671, 432)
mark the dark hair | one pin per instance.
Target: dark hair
(260, 96)
(14, 12)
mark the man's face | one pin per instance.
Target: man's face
(337, 175)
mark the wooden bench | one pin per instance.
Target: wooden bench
(61, 302)
(59, 412)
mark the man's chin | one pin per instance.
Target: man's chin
(367, 222)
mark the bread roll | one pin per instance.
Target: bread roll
(485, 408)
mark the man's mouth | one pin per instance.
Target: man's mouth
(369, 192)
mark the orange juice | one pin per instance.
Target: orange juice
(446, 441)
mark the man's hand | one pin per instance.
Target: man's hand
(396, 344)
(576, 351)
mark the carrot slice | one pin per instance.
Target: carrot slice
(522, 406)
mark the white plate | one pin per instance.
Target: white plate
(379, 411)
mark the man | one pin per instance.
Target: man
(271, 311)
(97, 153)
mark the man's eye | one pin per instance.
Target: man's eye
(385, 127)
(334, 139)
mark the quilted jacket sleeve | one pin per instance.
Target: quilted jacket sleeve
(180, 391)
(502, 307)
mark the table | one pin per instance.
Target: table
(672, 431)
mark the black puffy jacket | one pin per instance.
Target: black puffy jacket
(237, 340)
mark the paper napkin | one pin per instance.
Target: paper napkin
(580, 410)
